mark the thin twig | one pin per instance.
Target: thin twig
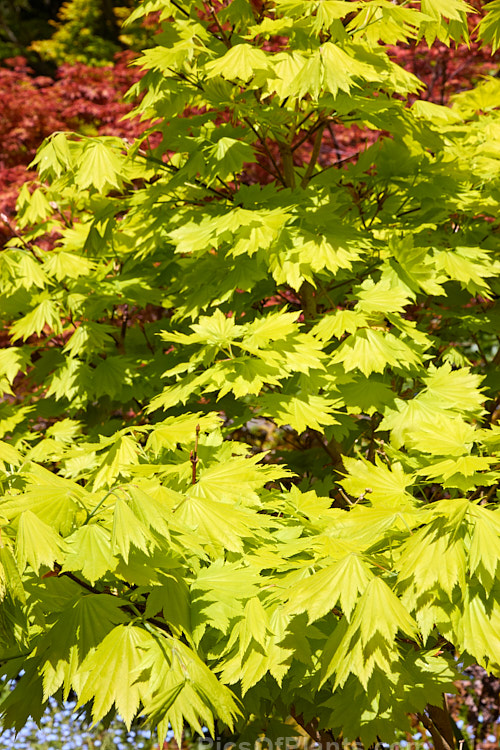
(225, 38)
(182, 10)
(267, 151)
(193, 456)
(198, 183)
(28, 245)
(310, 132)
(148, 342)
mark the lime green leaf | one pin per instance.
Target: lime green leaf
(471, 266)
(467, 466)
(445, 436)
(415, 565)
(483, 553)
(338, 323)
(12, 361)
(240, 62)
(218, 329)
(341, 70)
(274, 327)
(478, 627)
(117, 656)
(235, 478)
(232, 153)
(54, 156)
(101, 166)
(65, 265)
(9, 455)
(68, 379)
(89, 337)
(380, 611)
(127, 531)
(218, 522)
(34, 206)
(489, 26)
(122, 455)
(181, 429)
(379, 484)
(453, 9)
(57, 503)
(10, 576)
(300, 412)
(458, 390)
(37, 543)
(372, 351)
(83, 625)
(255, 624)
(45, 313)
(367, 395)
(381, 297)
(65, 430)
(89, 552)
(342, 581)
(368, 641)
(30, 273)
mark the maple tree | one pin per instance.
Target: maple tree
(337, 318)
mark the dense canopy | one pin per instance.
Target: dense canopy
(250, 418)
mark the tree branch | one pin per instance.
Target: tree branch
(314, 156)
(438, 723)
(225, 39)
(332, 449)
(308, 300)
(287, 161)
(320, 124)
(92, 590)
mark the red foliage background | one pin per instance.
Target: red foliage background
(81, 98)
